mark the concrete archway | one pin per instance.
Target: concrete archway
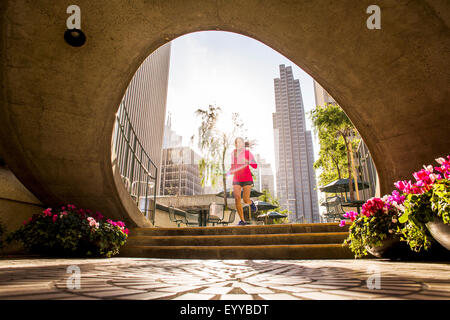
(57, 102)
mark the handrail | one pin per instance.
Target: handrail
(135, 165)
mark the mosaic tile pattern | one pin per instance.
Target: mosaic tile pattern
(145, 279)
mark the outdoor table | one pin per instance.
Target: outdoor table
(201, 211)
(354, 203)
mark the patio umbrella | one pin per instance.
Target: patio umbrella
(341, 185)
(262, 205)
(253, 194)
(273, 215)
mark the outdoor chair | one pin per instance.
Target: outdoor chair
(187, 219)
(216, 213)
(334, 208)
(230, 218)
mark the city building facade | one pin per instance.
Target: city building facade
(263, 176)
(145, 102)
(294, 156)
(179, 172)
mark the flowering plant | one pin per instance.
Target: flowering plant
(71, 231)
(378, 221)
(427, 199)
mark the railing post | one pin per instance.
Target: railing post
(127, 145)
(154, 195)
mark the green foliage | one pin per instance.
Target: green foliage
(370, 231)
(440, 199)
(416, 235)
(332, 158)
(423, 208)
(215, 145)
(267, 197)
(334, 130)
(70, 232)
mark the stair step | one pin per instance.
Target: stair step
(298, 251)
(239, 240)
(241, 230)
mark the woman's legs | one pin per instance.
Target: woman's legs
(246, 194)
(237, 199)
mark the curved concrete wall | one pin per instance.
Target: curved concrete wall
(57, 102)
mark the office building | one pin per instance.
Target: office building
(294, 156)
(179, 172)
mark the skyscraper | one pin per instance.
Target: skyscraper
(179, 166)
(180, 172)
(145, 102)
(294, 156)
(263, 179)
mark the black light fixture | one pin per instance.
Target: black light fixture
(75, 37)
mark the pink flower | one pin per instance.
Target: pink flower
(372, 206)
(48, 212)
(125, 231)
(350, 215)
(120, 224)
(342, 223)
(55, 217)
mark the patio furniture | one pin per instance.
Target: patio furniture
(334, 208)
(253, 194)
(263, 205)
(184, 217)
(272, 215)
(354, 204)
(341, 185)
(215, 213)
(231, 218)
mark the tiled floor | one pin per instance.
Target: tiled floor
(129, 278)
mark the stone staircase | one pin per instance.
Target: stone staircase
(289, 241)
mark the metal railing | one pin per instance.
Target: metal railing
(138, 172)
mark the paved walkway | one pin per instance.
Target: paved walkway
(131, 278)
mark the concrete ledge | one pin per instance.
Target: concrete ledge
(251, 229)
(239, 240)
(309, 251)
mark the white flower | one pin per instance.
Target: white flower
(394, 220)
(391, 231)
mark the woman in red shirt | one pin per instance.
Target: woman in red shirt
(241, 158)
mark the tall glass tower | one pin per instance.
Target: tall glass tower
(294, 155)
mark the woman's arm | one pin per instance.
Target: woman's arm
(252, 161)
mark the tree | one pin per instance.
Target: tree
(332, 124)
(332, 158)
(215, 145)
(267, 197)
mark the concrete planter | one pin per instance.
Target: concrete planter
(390, 248)
(440, 232)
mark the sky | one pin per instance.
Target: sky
(236, 73)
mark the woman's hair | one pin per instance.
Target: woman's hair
(235, 144)
(236, 140)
